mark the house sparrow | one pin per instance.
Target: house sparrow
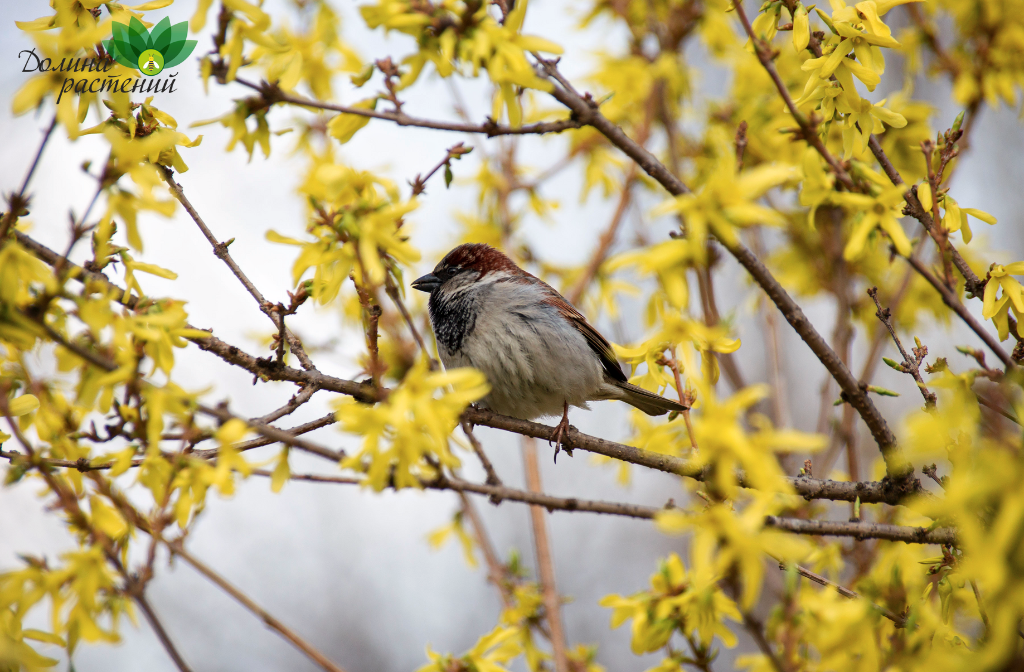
(539, 354)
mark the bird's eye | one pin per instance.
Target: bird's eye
(453, 271)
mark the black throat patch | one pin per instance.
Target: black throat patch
(453, 318)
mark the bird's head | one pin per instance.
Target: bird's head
(466, 265)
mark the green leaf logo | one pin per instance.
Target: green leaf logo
(135, 47)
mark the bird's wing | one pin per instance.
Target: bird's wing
(598, 343)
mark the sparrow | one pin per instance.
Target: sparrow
(538, 353)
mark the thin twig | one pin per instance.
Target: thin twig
(38, 156)
(455, 152)
(911, 365)
(17, 201)
(951, 300)
(545, 564)
(808, 130)
(931, 38)
(312, 653)
(604, 243)
(491, 128)
(492, 475)
(69, 503)
(756, 629)
(497, 573)
(981, 606)
(161, 633)
(304, 395)
(899, 621)
(392, 291)
(862, 530)
(274, 433)
(220, 250)
(914, 208)
(933, 473)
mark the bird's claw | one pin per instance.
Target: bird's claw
(559, 435)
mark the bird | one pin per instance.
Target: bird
(538, 353)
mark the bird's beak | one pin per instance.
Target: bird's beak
(426, 283)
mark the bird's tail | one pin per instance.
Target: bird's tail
(648, 402)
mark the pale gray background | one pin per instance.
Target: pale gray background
(351, 570)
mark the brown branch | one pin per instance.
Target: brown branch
(932, 472)
(491, 128)
(271, 432)
(220, 250)
(68, 501)
(931, 39)
(88, 355)
(862, 530)
(604, 243)
(455, 152)
(304, 428)
(312, 653)
(911, 365)
(756, 629)
(161, 633)
(39, 154)
(587, 111)
(392, 291)
(896, 464)
(914, 208)
(17, 201)
(485, 462)
(84, 465)
(779, 405)
(502, 493)
(304, 395)
(888, 492)
(951, 300)
(545, 564)
(900, 621)
(808, 129)
(497, 573)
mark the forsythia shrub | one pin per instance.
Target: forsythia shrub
(854, 184)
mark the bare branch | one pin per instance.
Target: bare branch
(161, 633)
(304, 395)
(497, 573)
(862, 530)
(455, 152)
(271, 432)
(914, 208)
(951, 300)
(16, 202)
(485, 462)
(68, 501)
(604, 243)
(888, 491)
(845, 592)
(808, 129)
(320, 659)
(491, 128)
(755, 627)
(545, 564)
(911, 365)
(220, 249)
